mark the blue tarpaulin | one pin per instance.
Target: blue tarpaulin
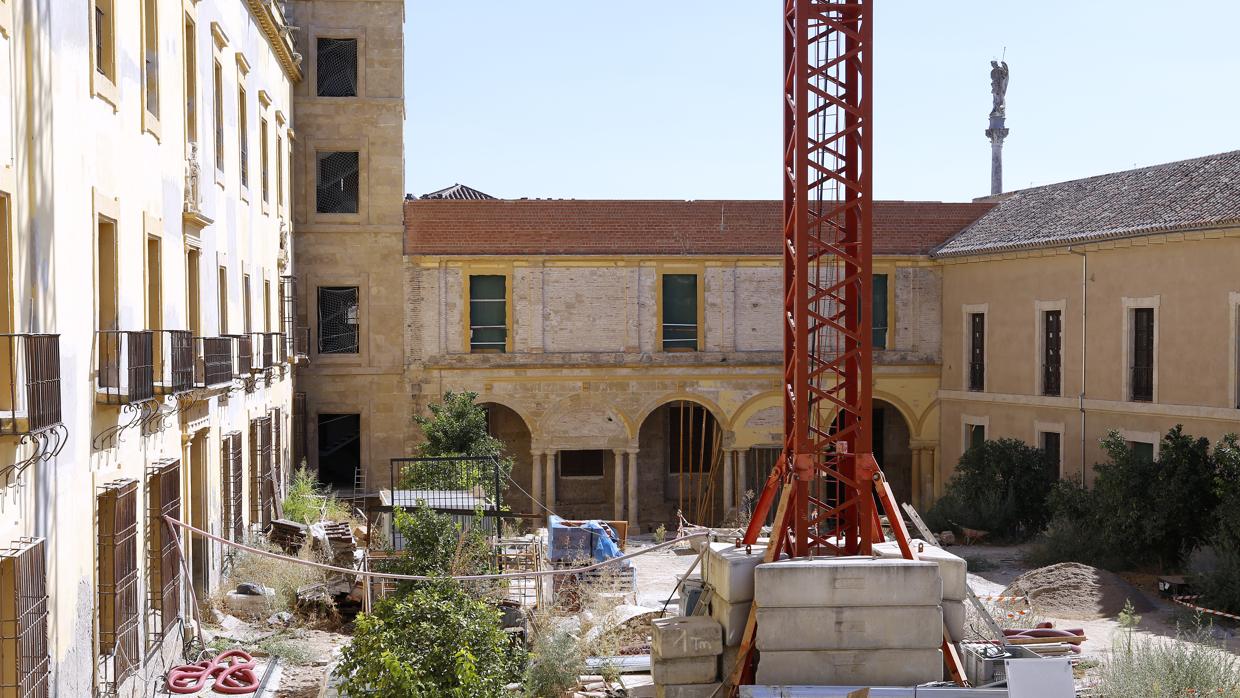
(588, 539)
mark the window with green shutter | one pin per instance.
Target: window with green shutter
(488, 314)
(680, 312)
(878, 297)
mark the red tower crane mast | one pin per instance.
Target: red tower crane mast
(826, 482)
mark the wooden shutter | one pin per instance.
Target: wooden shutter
(164, 499)
(118, 580)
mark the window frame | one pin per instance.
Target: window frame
(243, 139)
(1233, 313)
(189, 65)
(1040, 429)
(968, 312)
(344, 216)
(888, 306)
(470, 275)
(103, 77)
(318, 302)
(1040, 309)
(1128, 349)
(358, 45)
(264, 162)
(967, 424)
(150, 84)
(1150, 438)
(602, 465)
(699, 301)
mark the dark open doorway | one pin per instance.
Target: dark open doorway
(340, 449)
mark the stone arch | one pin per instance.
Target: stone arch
(513, 429)
(906, 411)
(757, 418)
(893, 436)
(578, 421)
(720, 416)
(692, 481)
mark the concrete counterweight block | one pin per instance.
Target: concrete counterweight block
(697, 690)
(732, 617)
(687, 670)
(850, 668)
(954, 618)
(847, 581)
(686, 636)
(952, 568)
(849, 628)
(729, 570)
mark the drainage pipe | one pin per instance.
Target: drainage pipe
(1084, 344)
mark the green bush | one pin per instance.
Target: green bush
(457, 428)
(1220, 581)
(436, 545)
(555, 666)
(310, 502)
(999, 486)
(437, 640)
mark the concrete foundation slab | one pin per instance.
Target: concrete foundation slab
(731, 617)
(850, 667)
(952, 568)
(729, 570)
(847, 581)
(688, 670)
(954, 618)
(697, 690)
(849, 628)
(686, 636)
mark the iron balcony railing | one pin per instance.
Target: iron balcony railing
(264, 351)
(30, 381)
(278, 346)
(245, 354)
(301, 343)
(175, 361)
(126, 371)
(213, 361)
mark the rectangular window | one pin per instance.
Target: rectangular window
(106, 285)
(154, 285)
(340, 451)
(680, 312)
(246, 319)
(977, 434)
(223, 300)
(150, 55)
(1142, 450)
(692, 438)
(24, 662)
(105, 40)
(1052, 348)
(582, 463)
(1142, 355)
(218, 97)
(878, 301)
(191, 81)
(263, 169)
(977, 351)
(267, 303)
(279, 173)
(232, 472)
(163, 490)
(118, 579)
(488, 314)
(243, 140)
(337, 184)
(1236, 358)
(338, 322)
(262, 482)
(193, 268)
(337, 67)
(1051, 443)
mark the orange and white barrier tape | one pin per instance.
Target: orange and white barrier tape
(1184, 601)
(1003, 599)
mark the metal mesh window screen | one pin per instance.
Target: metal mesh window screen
(337, 67)
(338, 320)
(337, 182)
(163, 490)
(488, 314)
(118, 581)
(24, 664)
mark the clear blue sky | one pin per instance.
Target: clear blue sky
(680, 99)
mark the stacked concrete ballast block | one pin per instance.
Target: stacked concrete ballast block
(685, 657)
(952, 569)
(728, 571)
(849, 621)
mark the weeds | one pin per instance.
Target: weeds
(309, 502)
(286, 647)
(556, 662)
(1193, 663)
(660, 534)
(285, 577)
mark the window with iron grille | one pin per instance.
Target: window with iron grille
(1142, 355)
(243, 133)
(977, 351)
(24, 662)
(337, 182)
(1052, 351)
(337, 67)
(488, 314)
(878, 317)
(163, 491)
(680, 312)
(288, 314)
(338, 323)
(262, 484)
(232, 473)
(118, 582)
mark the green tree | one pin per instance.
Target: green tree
(437, 640)
(457, 427)
(999, 486)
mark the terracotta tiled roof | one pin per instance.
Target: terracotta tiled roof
(606, 227)
(459, 192)
(1199, 193)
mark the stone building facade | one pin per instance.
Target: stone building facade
(611, 406)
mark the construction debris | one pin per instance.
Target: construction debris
(1075, 591)
(289, 535)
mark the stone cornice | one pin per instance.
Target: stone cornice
(271, 20)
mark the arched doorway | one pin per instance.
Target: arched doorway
(680, 465)
(505, 424)
(891, 449)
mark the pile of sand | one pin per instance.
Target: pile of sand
(1076, 591)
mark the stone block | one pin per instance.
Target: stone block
(697, 690)
(850, 668)
(729, 570)
(849, 628)
(954, 618)
(732, 617)
(847, 581)
(727, 660)
(686, 636)
(952, 568)
(686, 670)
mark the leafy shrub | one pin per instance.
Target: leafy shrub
(999, 486)
(457, 428)
(437, 640)
(555, 666)
(436, 545)
(310, 502)
(1220, 580)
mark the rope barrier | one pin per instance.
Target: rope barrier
(422, 578)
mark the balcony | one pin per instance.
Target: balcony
(213, 361)
(264, 351)
(300, 345)
(126, 369)
(244, 353)
(29, 383)
(174, 362)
